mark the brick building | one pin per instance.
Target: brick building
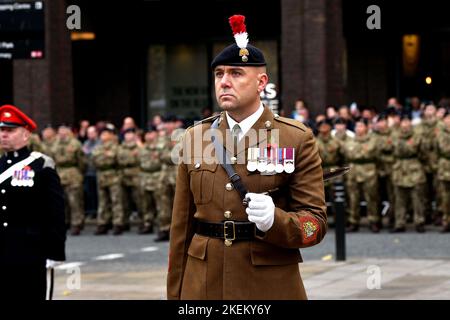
(148, 57)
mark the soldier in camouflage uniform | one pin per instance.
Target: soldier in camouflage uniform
(110, 206)
(128, 160)
(385, 151)
(70, 165)
(329, 150)
(408, 176)
(150, 163)
(427, 130)
(443, 173)
(361, 154)
(48, 140)
(167, 182)
(35, 143)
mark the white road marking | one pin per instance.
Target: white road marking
(111, 256)
(69, 265)
(149, 249)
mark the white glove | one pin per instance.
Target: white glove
(260, 210)
(52, 263)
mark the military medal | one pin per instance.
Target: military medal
(279, 160)
(23, 178)
(252, 159)
(271, 160)
(289, 166)
(262, 160)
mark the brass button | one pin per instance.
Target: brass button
(268, 124)
(229, 186)
(197, 165)
(228, 243)
(227, 214)
(233, 160)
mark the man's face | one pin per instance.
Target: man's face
(128, 122)
(447, 120)
(238, 87)
(325, 129)
(64, 133)
(48, 134)
(340, 127)
(106, 136)
(130, 137)
(360, 129)
(150, 136)
(381, 125)
(92, 133)
(14, 138)
(405, 125)
(430, 111)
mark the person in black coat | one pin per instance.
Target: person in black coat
(32, 227)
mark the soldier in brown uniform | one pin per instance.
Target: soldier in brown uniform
(443, 173)
(220, 248)
(361, 154)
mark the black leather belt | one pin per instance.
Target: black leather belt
(228, 230)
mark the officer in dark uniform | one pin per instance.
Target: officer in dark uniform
(32, 228)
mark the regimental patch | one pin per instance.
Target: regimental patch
(309, 228)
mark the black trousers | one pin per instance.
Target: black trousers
(27, 283)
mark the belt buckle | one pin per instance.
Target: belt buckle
(229, 241)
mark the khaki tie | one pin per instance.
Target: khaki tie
(235, 134)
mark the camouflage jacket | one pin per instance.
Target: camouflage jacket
(428, 131)
(407, 170)
(128, 161)
(69, 160)
(361, 154)
(150, 165)
(329, 150)
(385, 152)
(443, 149)
(104, 158)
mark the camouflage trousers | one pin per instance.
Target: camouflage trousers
(131, 195)
(369, 189)
(74, 211)
(165, 214)
(150, 207)
(430, 193)
(110, 205)
(404, 196)
(387, 183)
(166, 193)
(445, 196)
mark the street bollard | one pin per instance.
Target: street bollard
(339, 209)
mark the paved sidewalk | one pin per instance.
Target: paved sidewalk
(326, 279)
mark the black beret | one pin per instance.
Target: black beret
(362, 120)
(382, 116)
(109, 127)
(324, 121)
(130, 130)
(406, 115)
(340, 121)
(230, 57)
